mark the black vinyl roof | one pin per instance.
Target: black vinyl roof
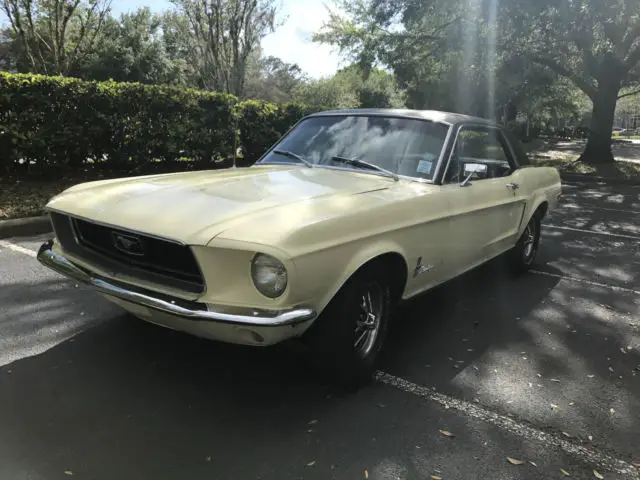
(432, 115)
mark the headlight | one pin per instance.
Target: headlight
(269, 275)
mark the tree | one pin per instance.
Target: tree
(271, 79)
(593, 43)
(351, 88)
(133, 50)
(225, 32)
(56, 35)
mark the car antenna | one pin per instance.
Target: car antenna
(235, 139)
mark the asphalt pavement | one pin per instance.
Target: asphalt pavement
(543, 369)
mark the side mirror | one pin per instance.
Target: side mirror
(471, 169)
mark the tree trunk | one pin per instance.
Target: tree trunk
(598, 149)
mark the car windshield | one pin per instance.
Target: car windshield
(380, 144)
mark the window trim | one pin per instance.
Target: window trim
(511, 157)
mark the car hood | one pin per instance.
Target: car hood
(194, 207)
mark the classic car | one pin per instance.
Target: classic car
(349, 214)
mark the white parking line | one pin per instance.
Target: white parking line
(511, 425)
(578, 207)
(588, 282)
(594, 232)
(18, 248)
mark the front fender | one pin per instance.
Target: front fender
(330, 270)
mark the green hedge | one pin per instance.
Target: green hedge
(260, 124)
(53, 124)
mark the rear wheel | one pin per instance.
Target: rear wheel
(346, 340)
(523, 255)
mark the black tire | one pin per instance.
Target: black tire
(331, 340)
(523, 255)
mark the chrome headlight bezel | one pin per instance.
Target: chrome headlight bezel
(269, 275)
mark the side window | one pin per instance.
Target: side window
(478, 145)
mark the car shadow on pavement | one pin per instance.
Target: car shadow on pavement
(561, 354)
(125, 399)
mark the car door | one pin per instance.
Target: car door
(485, 208)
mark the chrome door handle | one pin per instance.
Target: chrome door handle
(512, 186)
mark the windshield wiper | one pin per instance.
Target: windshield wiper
(295, 156)
(362, 163)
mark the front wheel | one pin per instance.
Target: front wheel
(346, 340)
(522, 256)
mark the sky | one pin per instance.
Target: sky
(291, 41)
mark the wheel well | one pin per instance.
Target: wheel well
(541, 211)
(395, 267)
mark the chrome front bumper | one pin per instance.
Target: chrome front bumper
(184, 309)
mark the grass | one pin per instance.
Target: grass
(27, 198)
(566, 164)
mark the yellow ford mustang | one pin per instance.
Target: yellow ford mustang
(348, 214)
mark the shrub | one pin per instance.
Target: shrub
(54, 123)
(261, 124)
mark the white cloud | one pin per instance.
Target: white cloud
(292, 41)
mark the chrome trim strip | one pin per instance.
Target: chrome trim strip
(240, 317)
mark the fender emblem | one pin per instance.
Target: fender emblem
(420, 268)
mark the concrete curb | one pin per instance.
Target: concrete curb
(574, 177)
(24, 227)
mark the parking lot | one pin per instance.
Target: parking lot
(544, 369)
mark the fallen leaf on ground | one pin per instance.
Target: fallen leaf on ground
(533, 463)
(565, 473)
(611, 369)
(366, 474)
(553, 406)
(612, 411)
(311, 464)
(313, 422)
(381, 405)
(476, 368)
(590, 437)
(571, 404)
(555, 380)
(623, 350)
(566, 434)
(446, 433)
(590, 376)
(469, 349)
(208, 458)
(68, 472)
(539, 376)
(514, 461)
(435, 477)
(450, 359)
(597, 475)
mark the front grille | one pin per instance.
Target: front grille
(145, 257)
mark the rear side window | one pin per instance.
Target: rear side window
(522, 159)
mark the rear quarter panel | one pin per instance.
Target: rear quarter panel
(542, 185)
